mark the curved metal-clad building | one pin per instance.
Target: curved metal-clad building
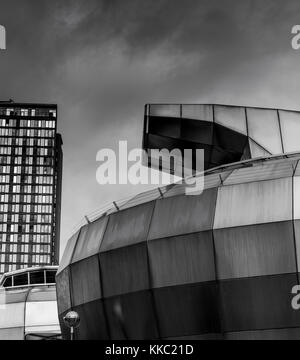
(28, 306)
(220, 265)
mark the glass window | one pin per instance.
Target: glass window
(198, 112)
(50, 276)
(52, 113)
(21, 279)
(290, 125)
(165, 110)
(37, 277)
(264, 128)
(12, 315)
(7, 282)
(231, 117)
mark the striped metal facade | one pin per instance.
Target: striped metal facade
(220, 265)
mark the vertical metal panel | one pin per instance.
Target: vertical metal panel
(85, 277)
(92, 322)
(254, 203)
(68, 253)
(89, 241)
(12, 315)
(42, 314)
(183, 214)
(297, 239)
(297, 197)
(198, 112)
(259, 303)
(187, 310)
(297, 172)
(63, 291)
(290, 125)
(131, 317)
(182, 260)
(264, 129)
(255, 250)
(124, 270)
(232, 117)
(127, 227)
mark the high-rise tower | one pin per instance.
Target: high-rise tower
(30, 185)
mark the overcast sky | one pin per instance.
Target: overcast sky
(101, 61)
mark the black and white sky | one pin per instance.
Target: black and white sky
(102, 60)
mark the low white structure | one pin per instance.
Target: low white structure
(28, 307)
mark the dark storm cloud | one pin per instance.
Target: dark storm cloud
(142, 25)
(102, 60)
(190, 26)
(212, 39)
(216, 35)
(57, 29)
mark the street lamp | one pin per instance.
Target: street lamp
(72, 321)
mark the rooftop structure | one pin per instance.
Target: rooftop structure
(28, 307)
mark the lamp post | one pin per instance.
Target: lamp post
(72, 321)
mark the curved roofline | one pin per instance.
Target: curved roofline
(107, 210)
